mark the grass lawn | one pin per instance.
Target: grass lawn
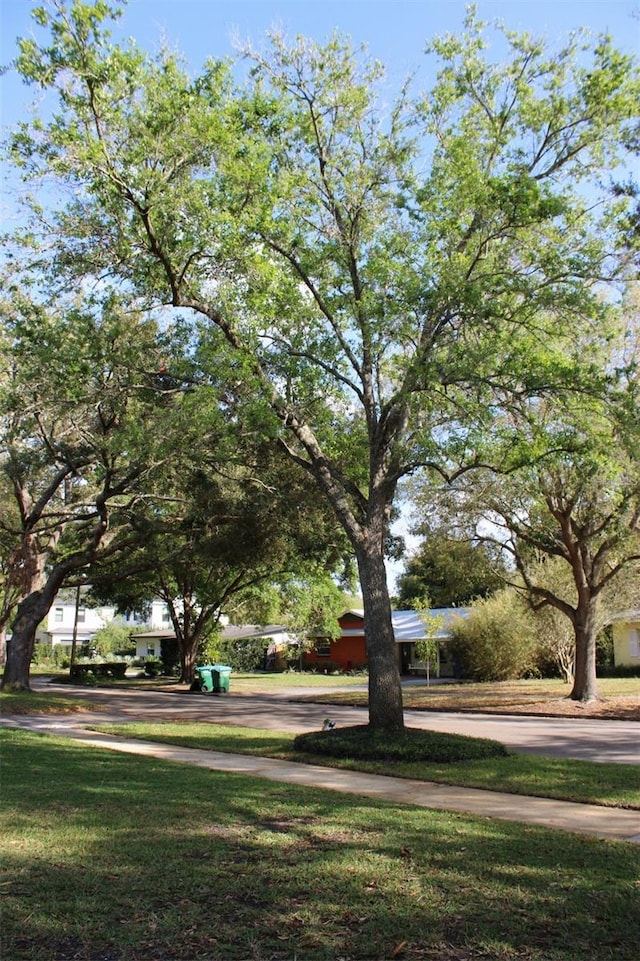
(42, 702)
(111, 857)
(614, 785)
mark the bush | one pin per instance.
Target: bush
(497, 641)
(88, 670)
(620, 670)
(320, 667)
(45, 655)
(247, 654)
(152, 666)
(361, 743)
(114, 638)
(170, 655)
(605, 659)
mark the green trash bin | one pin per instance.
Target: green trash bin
(205, 676)
(220, 674)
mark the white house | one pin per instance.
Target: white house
(65, 615)
(148, 643)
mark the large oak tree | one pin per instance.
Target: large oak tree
(377, 263)
(81, 432)
(226, 529)
(574, 498)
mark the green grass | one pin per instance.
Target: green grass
(613, 785)
(250, 681)
(243, 682)
(110, 857)
(32, 702)
(411, 746)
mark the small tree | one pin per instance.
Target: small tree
(427, 649)
(556, 641)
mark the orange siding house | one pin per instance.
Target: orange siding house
(348, 651)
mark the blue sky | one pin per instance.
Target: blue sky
(395, 30)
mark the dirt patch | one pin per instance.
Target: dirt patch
(615, 708)
(621, 708)
(501, 698)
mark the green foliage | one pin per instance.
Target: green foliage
(169, 655)
(426, 650)
(450, 571)
(325, 666)
(90, 670)
(153, 666)
(497, 641)
(114, 638)
(246, 654)
(46, 655)
(312, 608)
(366, 277)
(412, 745)
(80, 436)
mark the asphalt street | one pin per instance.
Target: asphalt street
(582, 739)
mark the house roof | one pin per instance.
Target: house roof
(229, 632)
(626, 616)
(410, 625)
(242, 631)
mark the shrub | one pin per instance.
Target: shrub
(619, 670)
(320, 667)
(87, 670)
(152, 666)
(170, 655)
(497, 641)
(246, 654)
(114, 638)
(605, 659)
(361, 743)
(45, 655)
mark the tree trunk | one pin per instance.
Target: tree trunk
(31, 611)
(3, 644)
(188, 658)
(585, 685)
(385, 690)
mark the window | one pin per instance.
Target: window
(323, 649)
(151, 651)
(634, 642)
(82, 615)
(58, 615)
(165, 616)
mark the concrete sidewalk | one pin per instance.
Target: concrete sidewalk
(610, 823)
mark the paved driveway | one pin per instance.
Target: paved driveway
(588, 740)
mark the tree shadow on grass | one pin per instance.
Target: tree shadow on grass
(111, 857)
